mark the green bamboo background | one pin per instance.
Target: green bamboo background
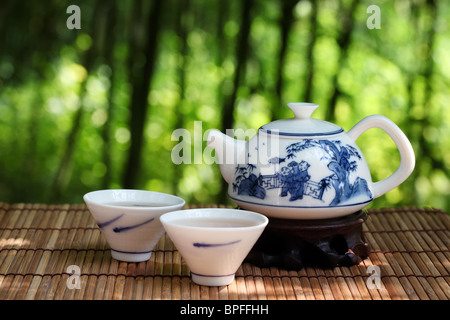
(96, 108)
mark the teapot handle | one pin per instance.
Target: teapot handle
(407, 158)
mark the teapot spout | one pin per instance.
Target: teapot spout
(229, 152)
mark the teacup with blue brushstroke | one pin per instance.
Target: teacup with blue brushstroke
(214, 241)
(129, 219)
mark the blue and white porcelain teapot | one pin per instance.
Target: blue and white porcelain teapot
(304, 168)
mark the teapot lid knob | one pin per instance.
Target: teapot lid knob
(302, 110)
(302, 125)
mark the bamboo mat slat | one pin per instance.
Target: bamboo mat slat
(39, 243)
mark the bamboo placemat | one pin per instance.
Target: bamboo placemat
(39, 243)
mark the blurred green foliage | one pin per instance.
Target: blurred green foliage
(65, 94)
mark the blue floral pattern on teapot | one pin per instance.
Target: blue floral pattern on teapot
(295, 182)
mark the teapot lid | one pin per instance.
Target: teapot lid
(302, 124)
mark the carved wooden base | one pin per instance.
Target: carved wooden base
(294, 244)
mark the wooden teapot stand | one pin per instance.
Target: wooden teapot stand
(327, 243)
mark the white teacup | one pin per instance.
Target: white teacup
(214, 241)
(129, 219)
